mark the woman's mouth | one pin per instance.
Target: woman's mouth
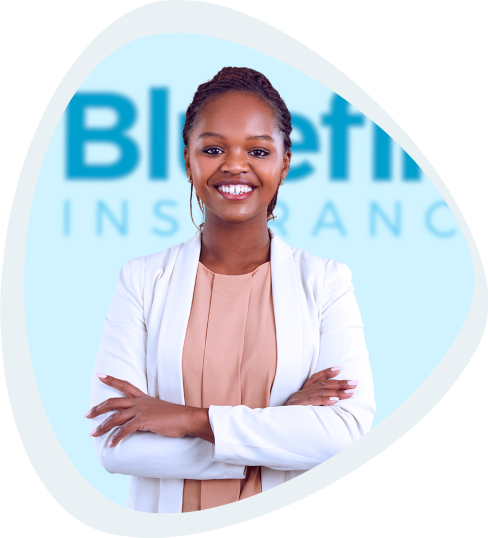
(235, 192)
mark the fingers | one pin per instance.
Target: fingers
(116, 419)
(124, 386)
(312, 399)
(324, 376)
(328, 394)
(335, 384)
(319, 396)
(128, 428)
(112, 404)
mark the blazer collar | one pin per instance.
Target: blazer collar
(288, 321)
(175, 320)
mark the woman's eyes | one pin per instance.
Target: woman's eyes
(262, 152)
(253, 152)
(212, 151)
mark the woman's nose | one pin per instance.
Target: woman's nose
(235, 163)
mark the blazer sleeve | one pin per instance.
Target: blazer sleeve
(122, 354)
(300, 437)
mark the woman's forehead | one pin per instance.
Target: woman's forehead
(236, 111)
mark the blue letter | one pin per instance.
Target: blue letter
(394, 227)
(428, 221)
(159, 134)
(161, 215)
(308, 142)
(382, 155)
(336, 223)
(103, 209)
(411, 170)
(182, 144)
(78, 135)
(339, 121)
(382, 159)
(67, 217)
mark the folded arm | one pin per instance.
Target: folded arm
(122, 354)
(297, 437)
(289, 437)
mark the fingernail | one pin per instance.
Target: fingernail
(352, 382)
(92, 432)
(335, 369)
(102, 376)
(86, 414)
(348, 391)
(110, 443)
(333, 398)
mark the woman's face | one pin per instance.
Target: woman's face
(235, 157)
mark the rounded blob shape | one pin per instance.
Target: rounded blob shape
(357, 198)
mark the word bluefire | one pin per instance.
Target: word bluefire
(340, 119)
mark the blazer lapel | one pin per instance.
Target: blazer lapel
(175, 321)
(288, 321)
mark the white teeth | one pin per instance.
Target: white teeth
(234, 189)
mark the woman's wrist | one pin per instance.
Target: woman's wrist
(199, 424)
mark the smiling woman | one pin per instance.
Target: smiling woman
(230, 363)
(236, 152)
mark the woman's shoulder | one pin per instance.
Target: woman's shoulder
(330, 270)
(156, 260)
(305, 262)
(143, 270)
(329, 278)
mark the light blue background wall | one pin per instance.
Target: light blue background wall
(414, 283)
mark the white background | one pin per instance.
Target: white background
(424, 62)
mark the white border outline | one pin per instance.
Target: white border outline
(52, 465)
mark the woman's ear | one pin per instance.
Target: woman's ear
(286, 165)
(186, 155)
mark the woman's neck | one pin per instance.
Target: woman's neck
(234, 248)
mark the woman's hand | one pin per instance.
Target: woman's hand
(138, 411)
(320, 389)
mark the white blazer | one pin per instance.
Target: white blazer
(318, 326)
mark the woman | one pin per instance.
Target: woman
(230, 363)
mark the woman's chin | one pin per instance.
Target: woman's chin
(235, 217)
(240, 220)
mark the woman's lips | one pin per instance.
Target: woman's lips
(235, 192)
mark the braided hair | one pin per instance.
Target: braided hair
(241, 79)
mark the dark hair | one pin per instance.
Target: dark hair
(240, 79)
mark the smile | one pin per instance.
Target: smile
(235, 192)
(234, 189)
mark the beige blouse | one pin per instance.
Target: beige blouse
(229, 358)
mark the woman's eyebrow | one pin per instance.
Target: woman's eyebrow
(261, 137)
(252, 137)
(209, 134)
